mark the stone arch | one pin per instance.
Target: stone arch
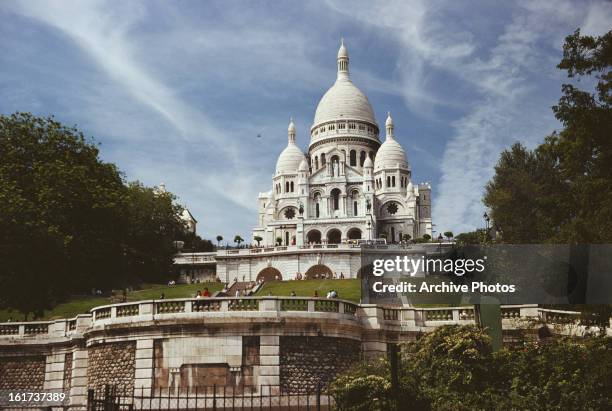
(318, 271)
(269, 274)
(334, 236)
(313, 236)
(354, 233)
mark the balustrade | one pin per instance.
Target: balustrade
(294, 305)
(127, 310)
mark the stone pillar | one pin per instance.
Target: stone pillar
(54, 372)
(78, 386)
(269, 360)
(143, 376)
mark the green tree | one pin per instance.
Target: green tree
(562, 190)
(219, 239)
(258, 239)
(455, 368)
(426, 237)
(62, 220)
(69, 223)
(238, 240)
(448, 235)
(152, 228)
(406, 237)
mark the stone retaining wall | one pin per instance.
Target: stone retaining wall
(306, 362)
(112, 364)
(22, 373)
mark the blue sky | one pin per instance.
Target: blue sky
(178, 91)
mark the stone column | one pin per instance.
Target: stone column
(143, 375)
(78, 387)
(269, 360)
(54, 372)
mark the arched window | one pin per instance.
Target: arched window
(292, 186)
(316, 162)
(388, 181)
(286, 186)
(353, 158)
(354, 208)
(393, 181)
(362, 158)
(372, 155)
(317, 210)
(322, 159)
(335, 195)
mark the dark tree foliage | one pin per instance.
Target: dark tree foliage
(455, 368)
(562, 190)
(68, 223)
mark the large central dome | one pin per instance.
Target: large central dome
(343, 100)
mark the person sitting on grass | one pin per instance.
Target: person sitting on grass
(206, 292)
(162, 296)
(316, 294)
(198, 294)
(293, 294)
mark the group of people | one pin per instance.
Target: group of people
(330, 294)
(322, 276)
(200, 294)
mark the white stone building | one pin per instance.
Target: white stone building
(348, 186)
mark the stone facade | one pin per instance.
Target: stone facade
(348, 186)
(112, 364)
(22, 373)
(306, 362)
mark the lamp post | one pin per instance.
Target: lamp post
(487, 221)
(440, 239)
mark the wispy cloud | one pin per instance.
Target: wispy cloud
(180, 92)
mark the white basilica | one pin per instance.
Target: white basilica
(349, 186)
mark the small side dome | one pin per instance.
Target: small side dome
(303, 165)
(390, 155)
(289, 160)
(368, 163)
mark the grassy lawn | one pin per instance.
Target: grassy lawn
(82, 305)
(346, 289)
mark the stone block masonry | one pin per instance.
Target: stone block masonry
(112, 364)
(306, 362)
(22, 373)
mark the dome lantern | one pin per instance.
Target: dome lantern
(291, 131)
(343, 61)
(290, 158)
(389, 126)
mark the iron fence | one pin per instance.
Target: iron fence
(235, 398)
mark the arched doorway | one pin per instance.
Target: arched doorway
(314, 236)
(354, 234)
(334, 236)
(318, 271)
(269, 274)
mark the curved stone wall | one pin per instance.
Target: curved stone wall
(248, 344)
(308, 362)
